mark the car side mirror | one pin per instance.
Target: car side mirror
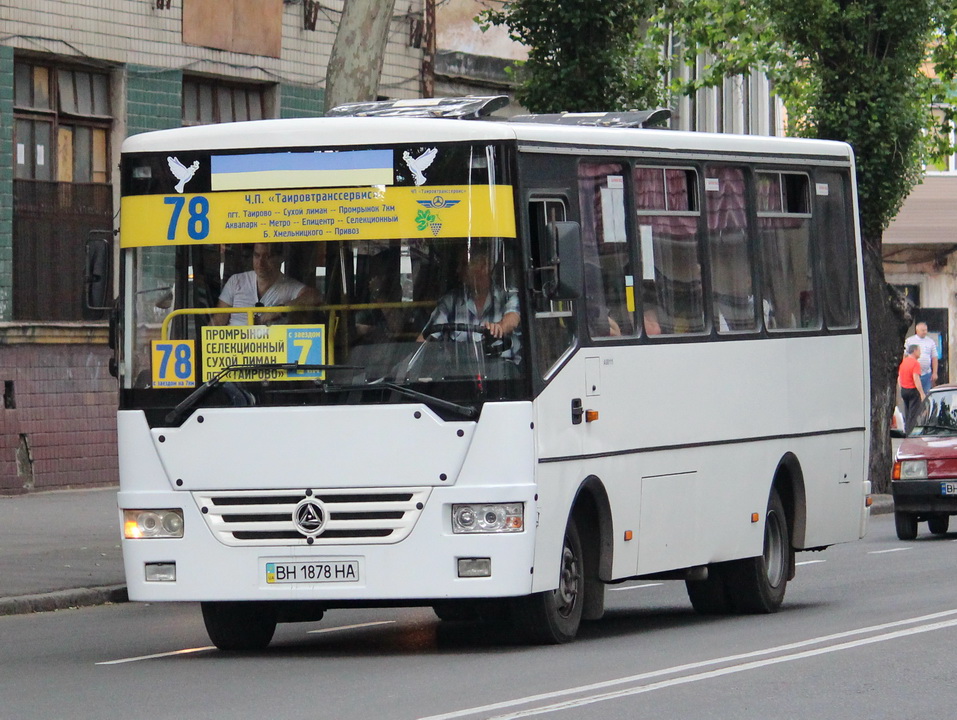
(567, 262)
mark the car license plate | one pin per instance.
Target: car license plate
(948, 488)
(312, 571)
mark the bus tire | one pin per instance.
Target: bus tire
(906, 525)
(757, 585)
(553, 617)
(710, 596)
(239, 626)
(938, 524)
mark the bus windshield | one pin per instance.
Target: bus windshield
(338, 296)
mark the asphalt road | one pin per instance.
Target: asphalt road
(868, 630)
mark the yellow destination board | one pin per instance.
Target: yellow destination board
(370, 213)
(230, 345)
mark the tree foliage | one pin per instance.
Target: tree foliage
(583, 55)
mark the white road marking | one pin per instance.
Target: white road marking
(635, 587)
(157, 655)
(707, 663)
(882, 552)
(350, 627)
(810, 562)
(601, 697)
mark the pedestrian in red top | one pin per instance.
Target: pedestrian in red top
(912, 391)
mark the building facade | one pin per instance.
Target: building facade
(76, 78)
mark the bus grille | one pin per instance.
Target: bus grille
(353, 516)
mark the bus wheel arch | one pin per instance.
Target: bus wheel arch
(789, 482)
(592, 513)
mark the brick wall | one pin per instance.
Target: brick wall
(57, 418)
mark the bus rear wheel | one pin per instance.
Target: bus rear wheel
(553, 617)
(757, 585)
(239, 626)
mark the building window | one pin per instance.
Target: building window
(206, 102)
(62, 127)
(61, 190)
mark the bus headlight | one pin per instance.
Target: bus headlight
(139, 524)
(496, 518)
(913, 470)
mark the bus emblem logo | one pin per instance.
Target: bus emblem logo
(309, 517)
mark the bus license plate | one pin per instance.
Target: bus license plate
(312, 571)
(948, 488)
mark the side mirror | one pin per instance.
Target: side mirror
(99, 270)
(568, 264)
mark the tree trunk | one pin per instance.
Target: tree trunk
(887, 323)
(355, 64)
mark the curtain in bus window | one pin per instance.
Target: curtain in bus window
(609, 278)
(785, 245)
(671, 288)
(836, 242)
(732, 291)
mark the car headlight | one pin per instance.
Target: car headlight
(139, 524)
(493, 518)
(913, 469)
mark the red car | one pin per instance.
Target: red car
(924, 483)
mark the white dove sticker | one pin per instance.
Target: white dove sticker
(418, 164)
(183, 174)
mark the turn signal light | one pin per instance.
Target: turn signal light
(591, 415)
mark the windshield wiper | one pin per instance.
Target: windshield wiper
(207, 387)
(466, 411)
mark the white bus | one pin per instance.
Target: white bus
(517, 362)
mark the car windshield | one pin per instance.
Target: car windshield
(938, 414)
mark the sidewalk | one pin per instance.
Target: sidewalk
(62, 549)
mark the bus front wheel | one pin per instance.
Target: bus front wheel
(553, 617)
(757, 585)
(239, 626)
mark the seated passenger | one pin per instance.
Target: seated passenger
(477, 303)
(263, 286)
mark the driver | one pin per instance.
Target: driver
(477, 303)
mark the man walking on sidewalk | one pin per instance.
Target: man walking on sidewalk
(928, 355)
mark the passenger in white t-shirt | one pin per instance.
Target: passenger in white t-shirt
(928, 355)
(263, 286)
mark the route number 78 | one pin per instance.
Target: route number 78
(197, 220)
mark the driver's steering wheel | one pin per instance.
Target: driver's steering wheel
(491, 345)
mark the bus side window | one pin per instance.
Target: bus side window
(554, 319)
(667, 204)
(784, 242)
(609, 275)
(835, 243)
(732, 266)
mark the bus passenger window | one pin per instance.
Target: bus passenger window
(835, 234)
(609, 275)
(732, 290)
(668, 214)
(784, 241)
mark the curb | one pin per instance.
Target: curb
(63, 599)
